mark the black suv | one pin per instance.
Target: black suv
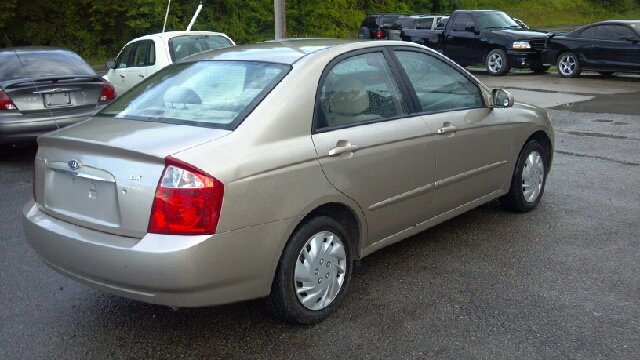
(378, 26)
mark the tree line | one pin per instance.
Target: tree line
(97, 29)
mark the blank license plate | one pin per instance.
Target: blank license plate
(57, 99)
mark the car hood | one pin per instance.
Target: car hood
(522, 34)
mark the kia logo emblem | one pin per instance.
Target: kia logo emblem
(74, 164)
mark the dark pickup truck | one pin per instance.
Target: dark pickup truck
(487, 38)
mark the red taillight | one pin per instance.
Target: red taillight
(379, 34)
(187, 202)
(6, 103)
(108, 92)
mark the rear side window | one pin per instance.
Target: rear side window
(360, 89)
(41, 63)
(438, 86)
(183, 46)
(216, 94)
(425, 23)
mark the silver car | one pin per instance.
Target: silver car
(45, 88)
(266, 170)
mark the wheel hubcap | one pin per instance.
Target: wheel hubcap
(495, 63)
(567, 65)
(320, 270)
(532, 176)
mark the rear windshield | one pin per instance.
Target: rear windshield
(183, 46)
(38, 63)
(216, 94)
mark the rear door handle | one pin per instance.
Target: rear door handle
(447, 129)
(343, 149)
(141, 75)
(122, 76)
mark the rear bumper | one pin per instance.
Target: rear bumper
(15, 126)
(524, 59)
(184, 271)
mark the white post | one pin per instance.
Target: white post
(280, 17)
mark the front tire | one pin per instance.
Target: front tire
(569, 65)
(313, 273)
(528, 180)
(497, 62)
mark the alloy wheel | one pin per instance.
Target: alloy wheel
(495, 63)
(567, 64)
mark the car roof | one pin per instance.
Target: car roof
(286, 51)
(26, 49)
(172, 34)
(577, 31)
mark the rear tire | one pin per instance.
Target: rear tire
(497, 62)
(569, 65)
(313, 272)
(528, 180)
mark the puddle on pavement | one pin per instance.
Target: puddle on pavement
(623, 104)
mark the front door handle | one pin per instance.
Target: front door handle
(122, 76)
(447, 129)
(341, 149)
(140, 75)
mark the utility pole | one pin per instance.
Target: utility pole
(281, 21)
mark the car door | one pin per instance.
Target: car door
(369, 145)
(139, 61)
(473, 141)
(119, 73)
(614, 50)
(461, 44)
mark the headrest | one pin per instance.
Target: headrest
(349, 97)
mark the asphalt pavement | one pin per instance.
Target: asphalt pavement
(559, 282)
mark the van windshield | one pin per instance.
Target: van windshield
(217, 94)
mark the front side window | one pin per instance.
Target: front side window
(438, 86)
(216, 94)
(125, 54)
(462, 21)
(359, 89)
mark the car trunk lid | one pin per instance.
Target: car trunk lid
(54, 94)
(102, 174)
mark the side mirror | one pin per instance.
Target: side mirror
(470, 28)
(110, 64)
(501, 98)
(633, 39)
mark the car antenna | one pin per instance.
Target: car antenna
(193, 20)
(34, 83)
(166, 16)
